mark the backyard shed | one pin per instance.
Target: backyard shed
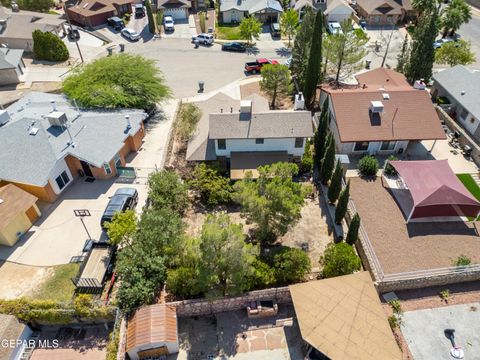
(435, 190)
(152, 332)
(343, 318)
(18, 212)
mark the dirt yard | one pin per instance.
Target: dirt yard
(284, 103)
(18, 280)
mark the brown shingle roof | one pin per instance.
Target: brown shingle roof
(15, 201)
(371, 6)
(342, 317)
(152, 324)
(92, 7)
(408, 113)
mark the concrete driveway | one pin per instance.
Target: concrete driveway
(58, 235)
(424, 331)
(184, 29)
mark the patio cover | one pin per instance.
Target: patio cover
(435, 190)
(242, 162)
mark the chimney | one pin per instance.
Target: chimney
(54, 106)
(376, 107)
(246, 107)
(299, 102)
(129, 126)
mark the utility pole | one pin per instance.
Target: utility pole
(71, 29)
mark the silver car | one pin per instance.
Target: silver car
(131, 34)
(205, 39)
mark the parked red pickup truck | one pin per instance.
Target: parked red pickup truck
(256, 66)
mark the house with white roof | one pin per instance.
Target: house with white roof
(266, 11)
(46, 142)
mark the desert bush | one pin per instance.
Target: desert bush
(368, 166)
(462, 260)
(389, 169)
(48, 46)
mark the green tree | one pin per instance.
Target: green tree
(273, 201)
(276, 81)
(455, 53)
(289, 24)
(314, 62)
(301, 46)
(226, 259)
(422, 54)
(151, 20)
(335, 183)
(214, 189)
(48, 46)
(328, 51)
(352, 234)
(188, 117)
(263, 275)
(122, 228)
(291, 265)
(328, 161)
(166, 190)
(347, 50)
(342, 205)
(456, 14)
(321, 138)
(250, 28)
(31, 5)
(307, 158)
(339, 259)
(117, 81)
(402, 58)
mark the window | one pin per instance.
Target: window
(259, 141)
(222, 144)
(463, 113)
(108, 169)
(388, 145)
(117, 160)
(361, 146)
(299, 142)
(62, 180)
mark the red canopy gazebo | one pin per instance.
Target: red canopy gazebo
(435, 190)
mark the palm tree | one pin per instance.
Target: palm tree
(456, 13)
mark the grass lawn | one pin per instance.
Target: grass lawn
(228, 32)
(59, 286)
(471, 185)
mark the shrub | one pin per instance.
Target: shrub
(166, 190)
(444, 295)
(307, 158)
(31, 5)
(368, 166)
(339, 259)
(389, 169)
(394, 321)
(342, 205)
(352, 234)
(396, 306)
(188, 117)
(126, 17)
(214, 189)
(462, 260)
(335, 184)
(201, 17)
(112, 346)
(290, 265)
(48, 46)
(159, 18)
(263, 275)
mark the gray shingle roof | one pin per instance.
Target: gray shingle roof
(252, 6)
(98, 136)
(10, 58)
(460, 78)
(272, 124)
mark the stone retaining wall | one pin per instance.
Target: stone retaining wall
(208, 307)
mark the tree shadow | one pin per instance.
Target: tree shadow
(283, 51)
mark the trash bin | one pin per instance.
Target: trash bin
(197, 43)
(367, 64)
(122, 47)
(201, 86)
(110, 51)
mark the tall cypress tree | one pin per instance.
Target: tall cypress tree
(402, 58)
(422, 55)
(328, 161)
(352, 234)
(314, 62)
(151, 21)
(335, 184)
(320, 140)
(342, 204)
(301, 46)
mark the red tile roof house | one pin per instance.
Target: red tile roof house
(92, 13)
(381, 114)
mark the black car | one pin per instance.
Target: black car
(116, 23)
(275, 29)
(139, 10)
(234, 46)
(123, 199)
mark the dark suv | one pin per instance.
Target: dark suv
(116, 23)
(139, 10)
(123, 199)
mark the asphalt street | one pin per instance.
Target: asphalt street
(471, 32)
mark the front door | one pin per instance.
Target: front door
(86, 169)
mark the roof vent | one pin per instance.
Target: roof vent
(463, 92)
(4, 117)
(386, 96)
(376, 107)
(57, 118)
(33, 131)
(420, 85)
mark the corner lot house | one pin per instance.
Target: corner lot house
(266, 11)
(461, 87)
(16, 28)
(385, 12)
(93, 13)
(18, 212)
(382, 114)
(245, 134)
(11, 66)
(46, 142)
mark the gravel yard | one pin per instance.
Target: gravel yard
(416, 246)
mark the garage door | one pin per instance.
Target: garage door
(176, 13)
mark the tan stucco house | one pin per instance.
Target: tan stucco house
(18, 212)
(46, 142)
